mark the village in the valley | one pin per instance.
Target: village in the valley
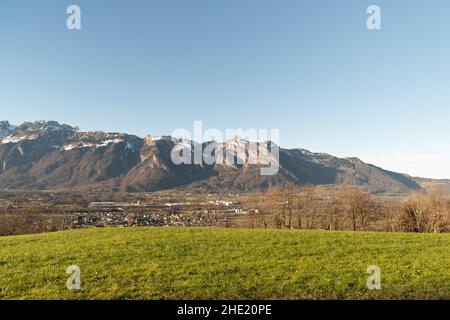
(181, 214)
(47, 211)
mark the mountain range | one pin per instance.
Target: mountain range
(50, 155)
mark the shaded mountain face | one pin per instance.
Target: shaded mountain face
(49, 155)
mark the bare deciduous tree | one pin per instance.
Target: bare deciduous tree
(357, 205)
(425, 213)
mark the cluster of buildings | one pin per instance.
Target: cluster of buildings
(159, 219)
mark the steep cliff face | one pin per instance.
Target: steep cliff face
(45, 155)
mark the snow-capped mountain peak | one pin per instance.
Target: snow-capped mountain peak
(33, 130)
(48, 154)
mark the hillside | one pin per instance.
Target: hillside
(186, 263)
(430, 185)
(49, 155)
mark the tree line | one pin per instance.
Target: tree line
(347, 208)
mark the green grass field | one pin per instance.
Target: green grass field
(208, 263)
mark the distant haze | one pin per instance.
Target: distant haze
(418, 165)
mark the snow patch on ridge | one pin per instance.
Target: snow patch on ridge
(18, 138)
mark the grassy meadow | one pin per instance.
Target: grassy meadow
(210, 263)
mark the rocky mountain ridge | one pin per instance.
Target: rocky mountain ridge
(49, 155)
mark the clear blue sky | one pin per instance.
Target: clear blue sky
(310, 68)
